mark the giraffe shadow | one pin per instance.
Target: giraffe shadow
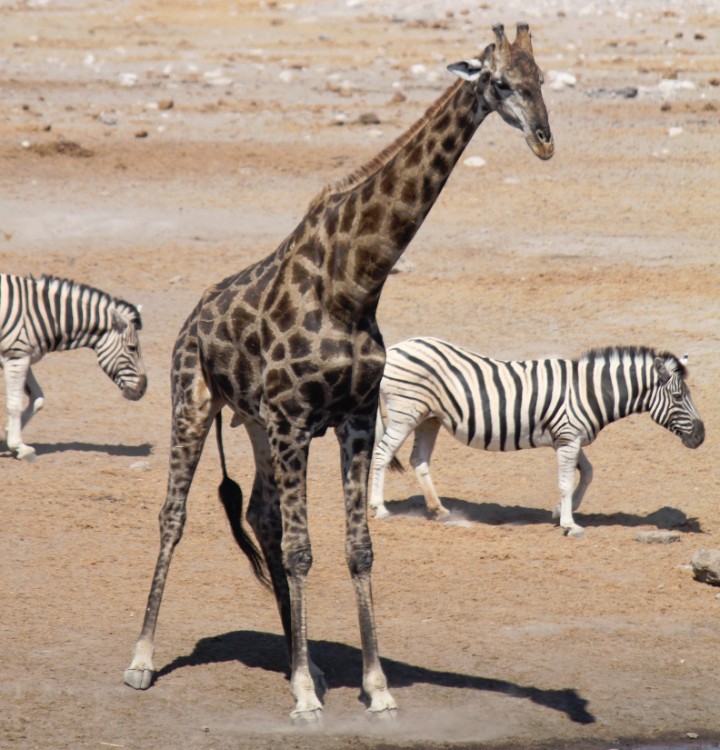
(495, 514)
(342, 665)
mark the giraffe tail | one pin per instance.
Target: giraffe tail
(232, 500)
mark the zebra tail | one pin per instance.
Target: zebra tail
(232, 499)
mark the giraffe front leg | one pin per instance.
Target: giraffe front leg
(288, 448)
(266, 521)
(193, 412)
(567, 458)
(356, 440)
(16, 371)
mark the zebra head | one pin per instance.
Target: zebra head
(671, 405)
(508, 81)
(118, 350)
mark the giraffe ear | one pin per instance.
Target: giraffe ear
(468, 70)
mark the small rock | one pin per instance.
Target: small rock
(140, 466)
(107, 119)
(166, 104)
(398, 97)
(403, 265)
(706, 566)
(475, 162)
(368, 118)
(560, 79)
(141, 134)
(658, 537)
(674, 132)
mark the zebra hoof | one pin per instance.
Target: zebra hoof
(26, 453)
(576, 532)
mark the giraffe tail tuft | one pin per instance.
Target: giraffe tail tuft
(232, 499)
(396, 465)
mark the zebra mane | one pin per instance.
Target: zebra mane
(355, 178)
(125, 308)
(672, 362)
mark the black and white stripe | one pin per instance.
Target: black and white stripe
(509, 405)
(48, 314)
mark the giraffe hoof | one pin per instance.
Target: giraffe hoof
(140, 679)
(307, 717)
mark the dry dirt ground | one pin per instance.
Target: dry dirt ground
(495, 629)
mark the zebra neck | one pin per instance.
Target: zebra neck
(68, 315)
(614, 386)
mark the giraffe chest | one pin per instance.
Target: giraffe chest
(319, 378)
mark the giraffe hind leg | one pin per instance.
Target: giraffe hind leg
(193, 412)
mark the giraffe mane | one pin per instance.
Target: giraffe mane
(359, 175)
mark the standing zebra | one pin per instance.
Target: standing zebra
(495, 405)
(38, 316)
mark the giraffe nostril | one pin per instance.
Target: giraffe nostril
(543, 135)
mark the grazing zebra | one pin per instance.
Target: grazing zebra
(495, 405)
(38, 316)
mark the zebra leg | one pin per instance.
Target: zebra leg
(16, 371)
(395, 434)
(586, 474)
(355, 436)
(193, 413)
(36, 396)
(425, 436)
(568, 457)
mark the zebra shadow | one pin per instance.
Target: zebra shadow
(495, 514)
(342, 665)
(144, 449)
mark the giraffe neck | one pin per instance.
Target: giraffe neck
(371, 217)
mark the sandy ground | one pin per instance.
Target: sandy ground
(152, 148)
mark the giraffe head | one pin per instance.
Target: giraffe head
(507, 81)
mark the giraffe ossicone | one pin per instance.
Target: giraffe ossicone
(292, 347)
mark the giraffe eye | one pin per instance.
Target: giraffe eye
(502, 86)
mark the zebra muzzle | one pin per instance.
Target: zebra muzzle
(136, 393)
(695, 438)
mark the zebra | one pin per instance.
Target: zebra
(47, 314)
(503, 406)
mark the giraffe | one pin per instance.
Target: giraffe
(292, 347)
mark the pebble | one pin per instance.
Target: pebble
(706, 566)
(140, 466)
(658, 537)
(368, 118)
(475, 162)
(166, 104)
(560, 79)
(674, 132)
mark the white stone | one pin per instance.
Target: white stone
(474, 162)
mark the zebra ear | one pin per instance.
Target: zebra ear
(684, 360)
(662, 370)
(118, 322)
